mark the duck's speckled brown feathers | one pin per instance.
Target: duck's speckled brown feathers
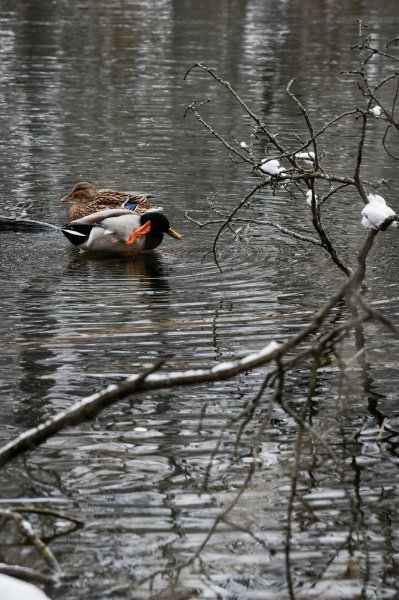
(90, 200)
(102, 202)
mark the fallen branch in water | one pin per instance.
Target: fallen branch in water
(83, 410)
(15, 224)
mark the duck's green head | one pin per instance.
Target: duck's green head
(154, 224)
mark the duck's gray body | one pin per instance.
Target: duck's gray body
(109, 230)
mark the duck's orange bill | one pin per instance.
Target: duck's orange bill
(143, 230)
(173, 234)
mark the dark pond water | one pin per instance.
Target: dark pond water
(94, 90)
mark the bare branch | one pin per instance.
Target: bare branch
(284, 230)
(194, 109)
(27, 530)
(270, 136)
(308, 123)
(260, 185)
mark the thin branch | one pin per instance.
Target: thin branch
(193, 108)
(284, 230)
(27, 530)
(271, 137)
(260, 185)
(308, 123)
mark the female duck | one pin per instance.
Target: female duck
(119, 231)
(89, 200)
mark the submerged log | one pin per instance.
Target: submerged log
(14, 224)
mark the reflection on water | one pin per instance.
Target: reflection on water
(95, 91)
(148, 269)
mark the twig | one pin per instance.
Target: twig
(231, 216)
(284, 230)
(308, 123)
(26, 528)
(193, 108)
(271, 137)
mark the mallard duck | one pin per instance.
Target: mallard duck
(89, 200)
(119, 231)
